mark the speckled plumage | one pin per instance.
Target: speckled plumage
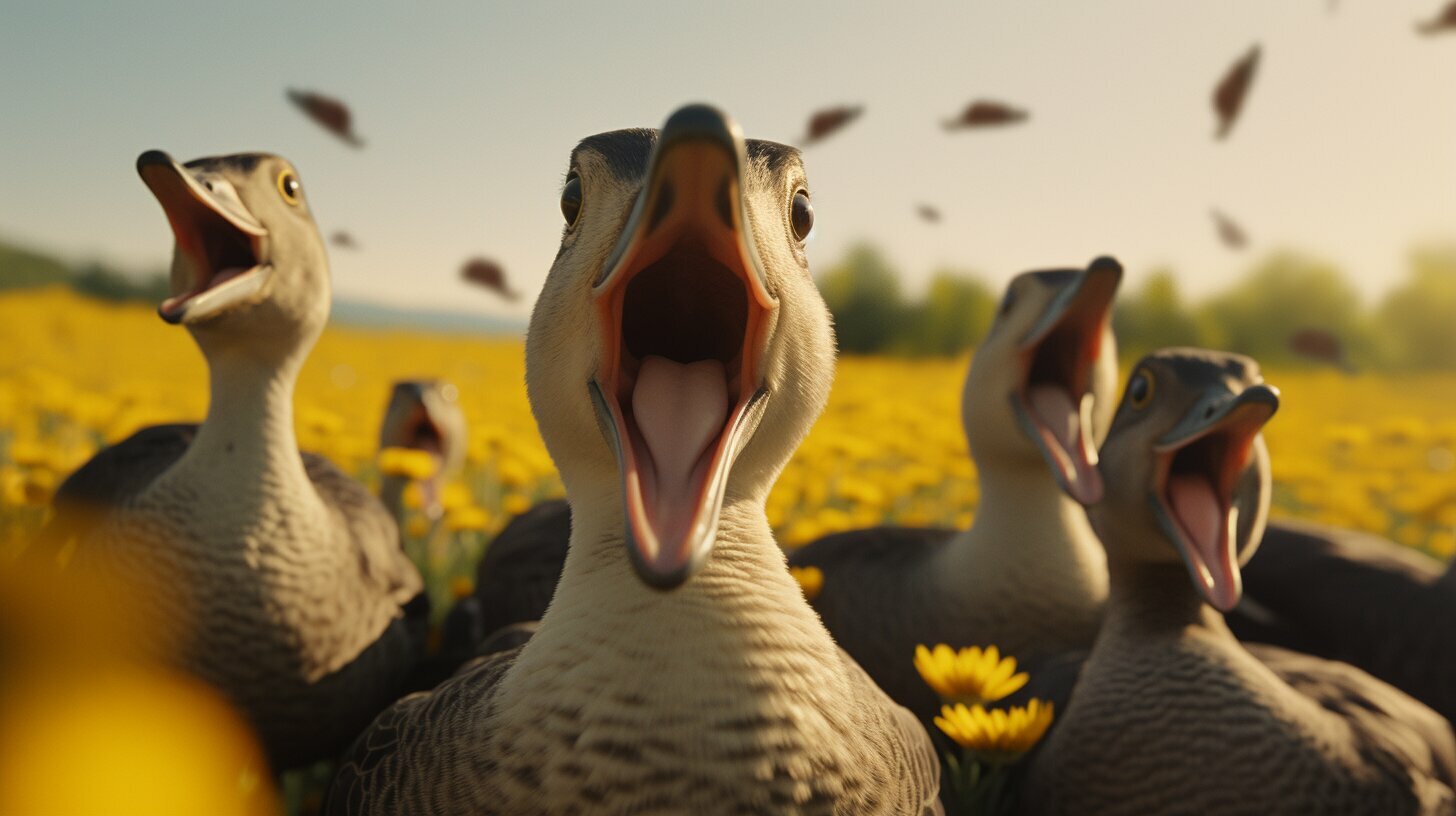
(1171, 713)
(722, 694)
(1029, 576)
(272, 575)
(738, 700)
(1357, 598)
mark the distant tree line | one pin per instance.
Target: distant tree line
(22, 268)
(1288, 309)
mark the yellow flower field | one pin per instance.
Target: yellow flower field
(1372, 452)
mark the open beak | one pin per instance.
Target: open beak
(1054, 403)
(221, 244)
(409, 423)
(1199, 466)
(686, 316)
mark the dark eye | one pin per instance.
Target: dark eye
(802, 215)
(1140, 389)
(289, 188)
(571, 199)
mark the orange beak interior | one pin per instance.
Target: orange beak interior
(685, 318)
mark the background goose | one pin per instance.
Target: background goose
(516, 576)
(1171, 712)
(423, 415)
(676, 357)
(302, 607)
(1358, 598)
(1029, 575)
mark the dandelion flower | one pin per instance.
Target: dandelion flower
(1001, 733)
(461, 587)
(407, 462)
(417, 526)
(468, 519)
(811, 580)
(973, 675)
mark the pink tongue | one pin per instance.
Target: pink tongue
(1210, 531)
(680, 410)
(1064, 435)
(225, 275)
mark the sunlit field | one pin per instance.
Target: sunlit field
(1371, 452)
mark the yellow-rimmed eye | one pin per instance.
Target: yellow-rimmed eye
(1140, 389)
(289, 188)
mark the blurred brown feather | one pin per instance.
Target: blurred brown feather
(328, 112)
(986, 113)
(488, 274)
(1228, 96)
(1445, 21)
(830, 120)
(1321, 346)
(1232, 235)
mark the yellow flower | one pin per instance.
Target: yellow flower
(407, 462)
(461, 587)
(417, 527)
(467, 518)
(971, 676)
(456, 495)
(515, 504)
(414, 496)
(999, 732)
(811, 580)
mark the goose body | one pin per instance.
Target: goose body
(1029, 576)
(283, 578)
(1172, 713)
(1357, 598)
(678, 667)
(517, 575)
(423, 415)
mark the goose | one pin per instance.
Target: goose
(423, 415)
(676, 356)
(515, 577)
(1172, 713)
(1029, 576)
(1358, 598)
(295, 597)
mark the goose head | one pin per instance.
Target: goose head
(249, 272)
(1041, 384)
(679, 350)
(1185, 463)
(425, 415)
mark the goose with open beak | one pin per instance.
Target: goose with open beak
(1029, 576)
(270, 574)
(1172, 713)
(677, 355)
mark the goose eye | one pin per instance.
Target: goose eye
(1140, 389)
(802, 215)
(571, 199)
(289, 188)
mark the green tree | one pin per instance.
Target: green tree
(954, 316)
(21, 268)
(1418, 318)
(1154, 317)
(1285, 294)
(863, 293)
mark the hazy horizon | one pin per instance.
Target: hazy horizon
(1344, 150)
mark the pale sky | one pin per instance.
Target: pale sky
(1347, 146)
